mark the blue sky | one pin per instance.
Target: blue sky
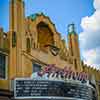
(61, 12)
(84, 13)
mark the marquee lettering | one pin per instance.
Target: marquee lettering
(67, 72)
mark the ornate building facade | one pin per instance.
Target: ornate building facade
(32, 43)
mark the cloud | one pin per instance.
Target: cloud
(90, 37)
(92, 57)
(97, 4)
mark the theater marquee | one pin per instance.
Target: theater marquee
(49, 89)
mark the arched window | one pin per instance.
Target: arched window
(28, 45)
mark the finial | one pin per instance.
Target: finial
(71, 28)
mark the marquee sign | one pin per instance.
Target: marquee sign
(47, 89)
(55, 83)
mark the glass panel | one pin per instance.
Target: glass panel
(36, 67)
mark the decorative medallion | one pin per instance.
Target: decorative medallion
(53, 49)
